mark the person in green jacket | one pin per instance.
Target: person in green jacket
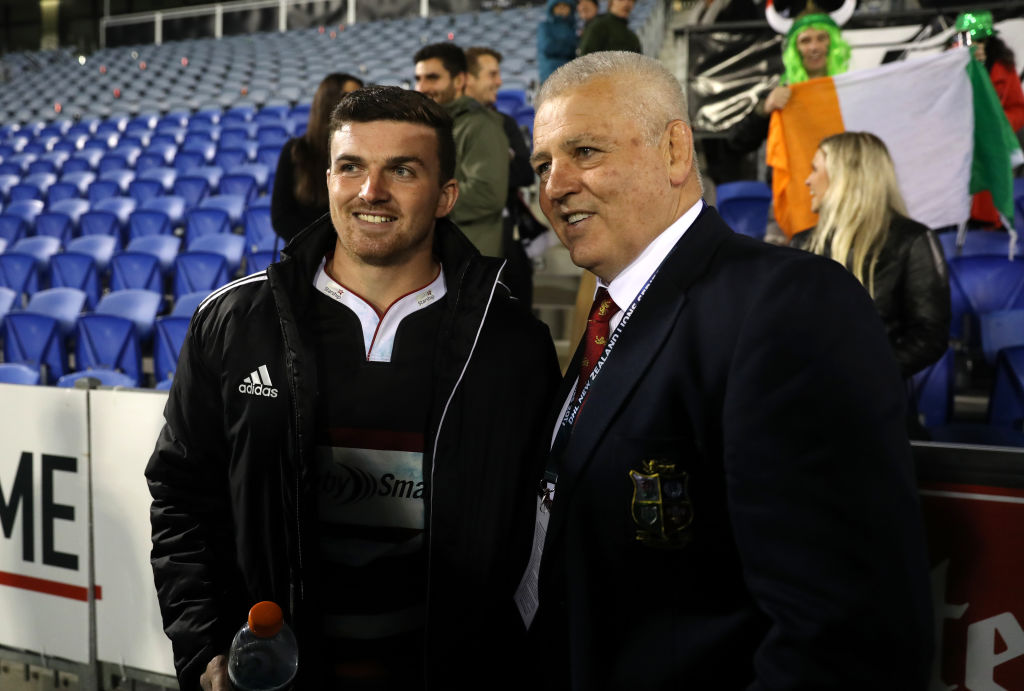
(481, 147)
(610, 31)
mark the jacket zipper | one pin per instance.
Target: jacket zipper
(437, 436)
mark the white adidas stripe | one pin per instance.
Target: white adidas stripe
(264, 375)
(252, 278)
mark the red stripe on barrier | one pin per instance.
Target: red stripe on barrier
(41, 585)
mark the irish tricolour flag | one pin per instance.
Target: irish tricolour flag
(938, 115)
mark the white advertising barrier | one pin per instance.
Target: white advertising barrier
(124, 426)
(44, 516)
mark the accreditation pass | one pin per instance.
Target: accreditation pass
(527, 596)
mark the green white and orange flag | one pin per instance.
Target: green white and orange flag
(938, 115)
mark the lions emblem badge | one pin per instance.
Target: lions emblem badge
(661, 505)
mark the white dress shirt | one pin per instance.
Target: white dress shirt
(625, 287)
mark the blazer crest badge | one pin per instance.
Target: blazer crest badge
(661, 505)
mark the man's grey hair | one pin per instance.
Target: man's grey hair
(656, 97)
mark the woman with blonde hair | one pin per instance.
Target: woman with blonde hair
(863, 224)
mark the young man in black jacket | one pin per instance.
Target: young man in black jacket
(353, 433)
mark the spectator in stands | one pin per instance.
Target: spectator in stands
(483, 79)
(355, 434)
(586, 10)
(813, 47)
(863, 224)
(556, 37)
(729, 501)
(481, 147)
(976, 30)
(610, 31)
(299, 196)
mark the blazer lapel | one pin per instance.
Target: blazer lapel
(641, 339)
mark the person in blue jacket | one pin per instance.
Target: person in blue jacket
(556, 37)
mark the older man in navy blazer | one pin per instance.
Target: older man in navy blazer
(729, 502)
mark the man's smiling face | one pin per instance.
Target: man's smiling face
(604, 187)
(385, 190)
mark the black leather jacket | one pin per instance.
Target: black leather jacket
(911, 293)
(234, 517)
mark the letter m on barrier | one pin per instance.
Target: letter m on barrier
(21, 493)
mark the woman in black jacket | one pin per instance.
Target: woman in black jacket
(863, 224)
(300, 184)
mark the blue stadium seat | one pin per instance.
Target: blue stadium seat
(228, 245)
(7, 181)
(977, 242)
(979, 285)
(108, 342)
(184, 161)
(33, 186)
(259, 231)
(16, 373)
(103, 189)
(84, 159)
(9, 299)
(206, 221)
(1000, 330)
(272, 135)
(206, 148)
(63, 304)
(268, 154)
(105, 377)
(164, 247)
(76, 270)
(19, 218)
(170, 204)
(145, 222)
(35, 340)
(198, 271)
(62, 219)
(143, 190)
(235, 137)
(1006, 404)
(233, 204)
(163, 174)
(136, 270)
(241, 185)
(185, 305)
(80, 180)
(257, 171)
(40, 247)
(509, 100)
(159, 154)
(211, 173)
(744, 206)
(19, 273)
(168, 339)
(259, 260)
(228, 157)
(122, 176)
(100, 247)
(138, 306)
(192, 189)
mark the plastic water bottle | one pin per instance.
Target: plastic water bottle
(263, 655)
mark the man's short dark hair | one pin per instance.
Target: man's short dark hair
(374, 103)
(473, 58)
(450, 55)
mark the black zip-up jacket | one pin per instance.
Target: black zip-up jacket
(233, 515)
(911, 292)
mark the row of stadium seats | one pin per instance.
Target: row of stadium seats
(56, 338)
(260, 69)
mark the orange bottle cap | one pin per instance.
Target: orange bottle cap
(265, 619)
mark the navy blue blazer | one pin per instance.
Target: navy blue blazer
(754, 393)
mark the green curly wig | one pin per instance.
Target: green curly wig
(838, 49)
